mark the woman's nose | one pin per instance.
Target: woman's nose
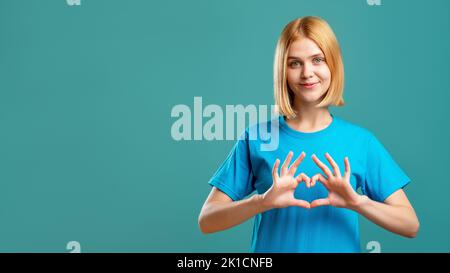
(307, 71)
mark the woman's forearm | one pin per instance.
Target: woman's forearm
(217, 216)
(398, 219)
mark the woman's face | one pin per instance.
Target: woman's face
(308, 75)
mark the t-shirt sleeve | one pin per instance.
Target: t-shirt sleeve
(383, 175)
(235, 177)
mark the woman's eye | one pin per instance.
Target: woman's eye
(294, 64)
(318, 60)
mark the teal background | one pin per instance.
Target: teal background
(86, 94)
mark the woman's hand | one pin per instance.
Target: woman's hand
(340, 191)
(281, 194)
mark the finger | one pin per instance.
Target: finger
(286, 163)
(296, 163)
(303, 178)
(275, 170)
(333, 164)
(302, 203)
(348, 170)
(322, 166)
(313, 180)
(319, 177)
(320, 202)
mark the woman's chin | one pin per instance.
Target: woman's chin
(310, 100)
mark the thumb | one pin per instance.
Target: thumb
(302, 203)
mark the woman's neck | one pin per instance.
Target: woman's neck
(310, 118)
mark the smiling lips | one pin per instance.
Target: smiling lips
(309, 85)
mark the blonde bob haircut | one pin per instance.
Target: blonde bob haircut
(321, 33)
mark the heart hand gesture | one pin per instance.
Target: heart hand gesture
(281, 193)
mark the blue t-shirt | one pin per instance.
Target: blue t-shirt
(248, 167)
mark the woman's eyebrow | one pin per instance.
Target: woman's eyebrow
(312, 56)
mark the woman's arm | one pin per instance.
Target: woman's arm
(220, 212)
(396, 213)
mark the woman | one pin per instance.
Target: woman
(309, 204)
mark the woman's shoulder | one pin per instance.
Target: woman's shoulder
(352, 127)
(261, 129)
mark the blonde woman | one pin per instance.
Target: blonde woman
(306, 190)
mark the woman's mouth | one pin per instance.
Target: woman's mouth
(309, 85)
